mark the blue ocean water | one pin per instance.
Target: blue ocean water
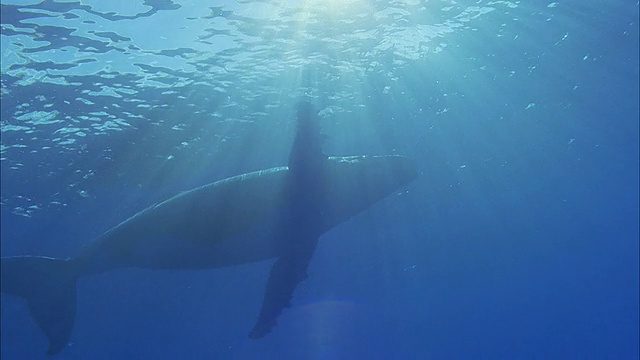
(518, 240)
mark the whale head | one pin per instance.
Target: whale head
(353, 183)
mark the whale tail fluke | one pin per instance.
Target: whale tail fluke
(49, 286)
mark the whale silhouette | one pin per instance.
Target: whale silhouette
(274, 213)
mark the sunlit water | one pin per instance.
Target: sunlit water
(519, 239)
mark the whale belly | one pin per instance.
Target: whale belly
(230, 222)
(184, 251)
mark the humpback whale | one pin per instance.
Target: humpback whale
(274, 213)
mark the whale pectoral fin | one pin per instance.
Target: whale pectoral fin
(286, 273)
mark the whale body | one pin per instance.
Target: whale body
(274, 213)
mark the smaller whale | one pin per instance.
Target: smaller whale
(274, 213)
